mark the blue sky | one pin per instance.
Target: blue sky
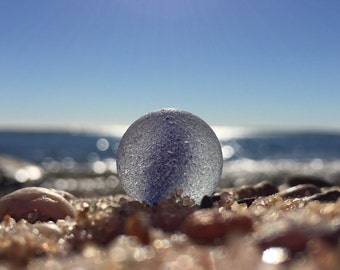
(231, 62)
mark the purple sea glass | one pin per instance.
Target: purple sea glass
(166, 150)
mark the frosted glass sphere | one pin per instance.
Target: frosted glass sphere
(166, 150)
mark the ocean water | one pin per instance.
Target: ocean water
(83, 161)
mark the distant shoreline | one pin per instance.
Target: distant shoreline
(118, 130)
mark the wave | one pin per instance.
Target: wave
(250, 155)
(248, 171)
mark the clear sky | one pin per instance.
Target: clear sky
(231, 62)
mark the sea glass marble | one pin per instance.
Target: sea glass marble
(167, 150)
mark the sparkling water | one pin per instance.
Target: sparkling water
(83, 161)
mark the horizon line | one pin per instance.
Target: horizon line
(221, 131)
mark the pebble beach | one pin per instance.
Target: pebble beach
(266, 213)
(251, 227)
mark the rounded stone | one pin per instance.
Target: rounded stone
(167, 150)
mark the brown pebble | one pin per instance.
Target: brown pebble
(247, 201)
(244, 192)
(293, 239)
(206, 202)
(101, 231)
(299, 191)
(169, 215)
(35, 204)
(331, 236)
(329, 196)
(305, 179)
(208, 224)
(296, 238)
(261, 189)
(138, 225)
(216, 197)
(48, 229)
(265, 188)
(67, 195)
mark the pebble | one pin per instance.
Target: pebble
(206, 202)
(329, 196)
(35, 204)
(244, 192)
(296, 238)
(48, 229)
(291, 238)
(209, 201)
(304, 179)
(67, 195)
(138, 225)
(263, 188)
(100, 229)
(207, 224)
(247, 201)
(169, 215)
(299, 191)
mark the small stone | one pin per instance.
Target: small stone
(331, 236)
(304, 179)
(261, 189)
(291, 238)
(329, 196)
(247, 201)
(206, 202)
(138, 225)
(67, 195)
(169, 215)
(295, 237)
(244, 192)
(299, 191)
(208, 224)
(48, 229)
(216, 197)
(265, 188)
(35, 204)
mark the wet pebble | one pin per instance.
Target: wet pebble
(291, 238)
(48, 229)
(331, 235)
(329, 196)
(35, 204)
(295, 238)
(96, 223)
(299, 191)
(206, 202)
(305, 179)
(169, 215)
(244, 192)
(138, 225)
(67, 195)
(207, 224)
(247, 201)
(263, 188)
